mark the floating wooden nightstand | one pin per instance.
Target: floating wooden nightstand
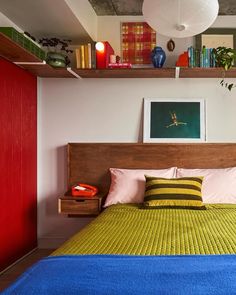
(80, 206)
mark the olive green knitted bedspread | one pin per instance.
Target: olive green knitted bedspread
(126, 229)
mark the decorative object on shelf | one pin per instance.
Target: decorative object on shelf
(118, 59)
(180, 18)
(182, 60)
(56, 58)
(170, 45)
(28, 35)
(216, 37)
(174, 120)
(103, 53)
(24, 40)
(225, 57)
(158, 57)
(112, 59)
(137, 41)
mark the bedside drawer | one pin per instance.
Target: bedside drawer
(83, 206)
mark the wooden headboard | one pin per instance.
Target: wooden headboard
(89, 162)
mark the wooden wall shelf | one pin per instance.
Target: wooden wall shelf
(15, 53)
(157, 73)
(46, 71)
(127, 73)
(206, 73)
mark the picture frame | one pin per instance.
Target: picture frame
(174, 120)
(216, 32)
(137, 42)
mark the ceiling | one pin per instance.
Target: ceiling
(42, 18)
(134, 7)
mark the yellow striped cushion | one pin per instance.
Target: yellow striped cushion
(182, 192)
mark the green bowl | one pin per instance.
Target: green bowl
(56, 60)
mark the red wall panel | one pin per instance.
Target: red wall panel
(18, 162)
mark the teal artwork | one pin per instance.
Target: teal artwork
(179, 120)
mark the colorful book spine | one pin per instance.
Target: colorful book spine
(89, 56)
(203, 58)
(189, 57)
(93, 55)
(86, 56)
(78, 58)
(82, 56)
(213, 59)
(197, 58)
(207, 57)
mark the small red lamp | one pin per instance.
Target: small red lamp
(103, 52)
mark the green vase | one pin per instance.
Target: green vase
(56, 60)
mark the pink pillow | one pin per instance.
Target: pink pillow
(128, 185)
(219, 185)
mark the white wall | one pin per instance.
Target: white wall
(83, 10)
(109, 30)
(225, 21)
(107, 110)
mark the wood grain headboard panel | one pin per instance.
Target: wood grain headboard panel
(89, 162)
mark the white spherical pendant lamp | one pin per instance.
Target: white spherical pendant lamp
(180, 18)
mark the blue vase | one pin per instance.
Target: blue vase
(158, 57)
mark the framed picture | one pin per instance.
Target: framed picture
(174, 120)
(137, 41)
(215, 37)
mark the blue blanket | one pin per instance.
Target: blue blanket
(122, 274)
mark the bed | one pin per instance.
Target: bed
(131, 250)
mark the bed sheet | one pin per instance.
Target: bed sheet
(129, 230)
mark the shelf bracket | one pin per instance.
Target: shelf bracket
(30, 63)
(74, 73)
(177, 71)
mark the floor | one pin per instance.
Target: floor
(12, 273)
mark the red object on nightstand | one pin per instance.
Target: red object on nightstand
(182, 60)
(103, 56)
(84, 190)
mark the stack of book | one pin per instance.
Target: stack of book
(122, 65)
(86, 56)
(203, 58)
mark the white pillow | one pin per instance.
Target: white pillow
(128, 185)
(219, 185)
